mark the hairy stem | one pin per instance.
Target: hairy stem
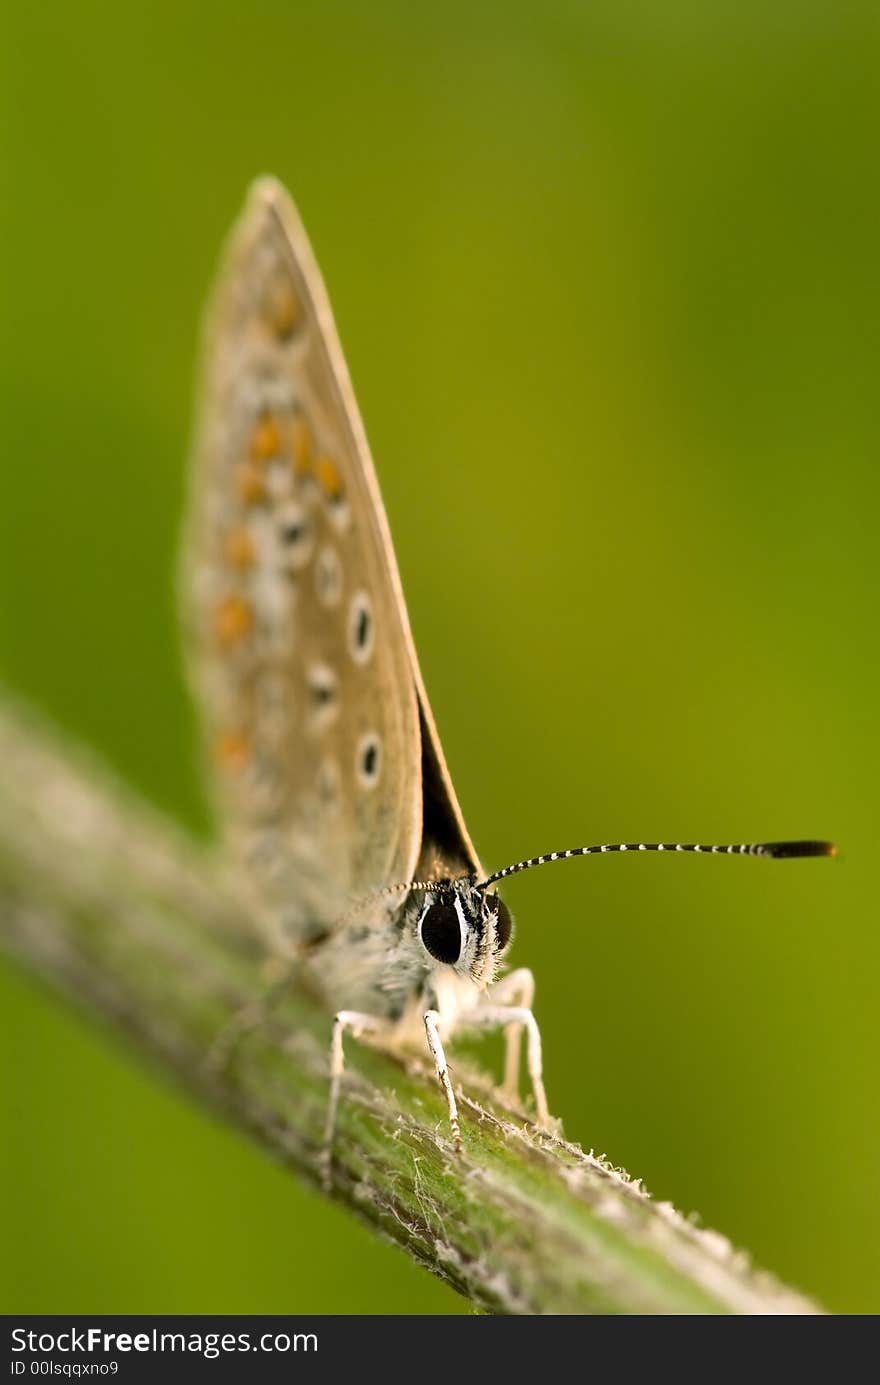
(113, 904)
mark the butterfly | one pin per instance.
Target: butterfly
(333, 791)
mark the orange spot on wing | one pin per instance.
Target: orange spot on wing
(232, 620)
(266, 439)
(250, 484)
(231, 750)
(283, 309)
(329, 479)
(300, 446)
(239, 548)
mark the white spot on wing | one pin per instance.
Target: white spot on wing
(295, 536)
(360, 628)
(328, 576)
(368, 760)
(323, 686)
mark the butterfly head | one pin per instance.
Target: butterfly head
(462, 925)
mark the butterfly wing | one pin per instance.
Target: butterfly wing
(330, 775)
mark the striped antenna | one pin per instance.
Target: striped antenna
(777, 850)
(358, 905)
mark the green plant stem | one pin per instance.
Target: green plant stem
(115, 906)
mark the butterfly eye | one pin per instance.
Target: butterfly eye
(441, 933)
(503, 925)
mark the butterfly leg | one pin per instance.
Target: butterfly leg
(516, 989)
(432, 1020)
(500, 1016)
(359, 1024)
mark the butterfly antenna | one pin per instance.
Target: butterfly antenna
(365, 900)
(777, 850)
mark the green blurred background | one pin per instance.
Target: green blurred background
(606, 276)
